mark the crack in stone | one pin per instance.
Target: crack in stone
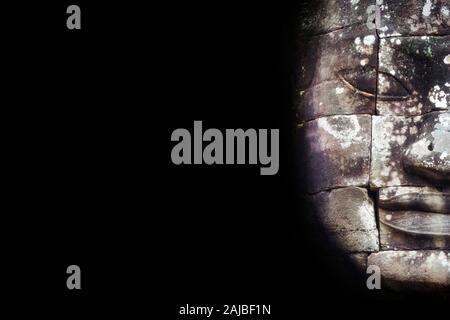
(374, 189)
(334, 30)
(301, 123)
(413, 36)
(336, 188)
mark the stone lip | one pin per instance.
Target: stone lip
(413, 218)
(420, 223)
(428, 201)
(399, 230)
(415, 270)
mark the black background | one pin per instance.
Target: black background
(89, 180)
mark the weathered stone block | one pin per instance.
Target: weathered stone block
(359, 260)
(410, 151)
(348, 216)
(324, 16)
(337, 74)
(413, 269)
(390, 136)
(414, 75)
(414, 17)
(345, 209)
(428, 154)
(336, 152)
(332, 98)
(356, 241)
(353, 49)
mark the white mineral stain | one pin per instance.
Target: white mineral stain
(420, 148)
(383, 83)
(394, 179)
(447, 59)
(443, 260)
(364, 45)
(426, 11)
(439, 98)
(413, 130)
(346, 136)
(386, 171)
(398, 42)
(388, 217)
(339, 90)
(365, 61)
(401, 139)
(369, 40)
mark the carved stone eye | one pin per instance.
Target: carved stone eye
(361, 80)
(364, 81)
(390, 88)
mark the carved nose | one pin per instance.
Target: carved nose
(429, 155)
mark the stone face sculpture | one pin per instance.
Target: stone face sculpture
(373, 112)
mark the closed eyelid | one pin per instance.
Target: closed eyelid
(350, 86)
(390, 89)
(396, 90)
(360, 80)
